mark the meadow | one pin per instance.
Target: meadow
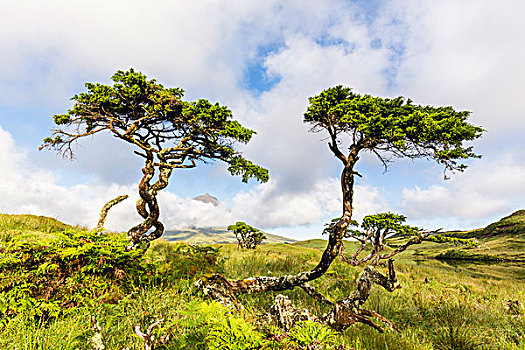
(65, 287)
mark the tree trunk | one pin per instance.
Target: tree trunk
(147, 206)
(106, 208)
(344, 313)
(332, 250)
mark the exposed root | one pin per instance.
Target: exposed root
(285, 314)
(343, 314)
(149, 339)
(97, 340)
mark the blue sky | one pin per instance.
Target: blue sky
(264, 59)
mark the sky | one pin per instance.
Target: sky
(263, 59)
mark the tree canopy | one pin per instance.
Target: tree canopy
(392, 127)
(158, 121)
(169, 132)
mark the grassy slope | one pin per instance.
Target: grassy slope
(30, 223)
(459, 307)
(213, 235)
(503, 240)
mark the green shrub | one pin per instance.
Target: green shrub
(74, 268)
(181, 261)
(233, 333)
(48, 276)
(305, 333)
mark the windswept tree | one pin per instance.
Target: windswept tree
(375, 234)
(247, 236)
(168, 132)
(387, 128)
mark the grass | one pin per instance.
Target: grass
(30, 223)
(441, 305)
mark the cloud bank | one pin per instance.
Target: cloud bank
(264, 59)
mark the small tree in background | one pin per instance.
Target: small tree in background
(373, 234)
(247, 236)
(169, 133)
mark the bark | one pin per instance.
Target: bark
(284, 314)
(147, 206)
(335, 242)
(344, 313)
(349, 310)
(97, 340)
(106, 208)
(150, 342)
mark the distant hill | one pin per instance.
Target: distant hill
(512, 225)
(213, 235)
(503, 240)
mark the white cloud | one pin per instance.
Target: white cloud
(25, 188)
(487, 190)
(468, 54)
(267, 207)
(28, 189)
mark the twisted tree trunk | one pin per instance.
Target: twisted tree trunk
(265, 283)
(343, 313)
(147, 206)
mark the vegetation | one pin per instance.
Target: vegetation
(170, 133)
(440, 306)
(51, 277)
(513, 224)
(247, 236)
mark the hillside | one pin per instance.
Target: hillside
(213, 235)
(503, 240)
(513, 225)
(63, 287)
(30, 223)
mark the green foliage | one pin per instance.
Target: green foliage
(158, 121)
(451, 254)
(393, 127)
(469, 299)
(26, 222)
(182, 261)
(308, 332)
(454, 331)
(379, 224)
(248, 237)
(233, 333)
(512, 225)
(210, 325)
(44, 278)
(76, 268)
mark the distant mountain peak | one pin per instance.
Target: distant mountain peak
(207, 198)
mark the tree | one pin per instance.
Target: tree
(169, 133)
(373, 232)
(387, 128)
(247, 236)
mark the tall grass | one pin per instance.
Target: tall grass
(439, 306)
